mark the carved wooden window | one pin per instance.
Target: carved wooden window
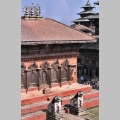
(32, 76)
(63, 74)
(64, 70)
(53, 76)
(44, 77)
(45, 73)
(54, 71)
(32, 79)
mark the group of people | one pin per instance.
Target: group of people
(94, 82)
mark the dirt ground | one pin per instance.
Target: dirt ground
(92, 113)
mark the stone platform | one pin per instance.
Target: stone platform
(34, 103)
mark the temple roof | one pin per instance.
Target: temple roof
(88, 5)
(86, 12)
(95, 16)
(80, 20)
(80, 27)
(51, 32)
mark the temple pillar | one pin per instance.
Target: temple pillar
(26, 82)
(49, 77)
(59, 76)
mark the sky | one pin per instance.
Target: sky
(61, 10)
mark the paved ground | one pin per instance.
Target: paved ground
(71, 117)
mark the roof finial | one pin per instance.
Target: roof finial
(32, 11)
(88, 2)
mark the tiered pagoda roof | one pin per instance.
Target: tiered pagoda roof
(95, 16)
(80, 27)
(88, 10)
(88, 5)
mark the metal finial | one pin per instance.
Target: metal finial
(32, 11)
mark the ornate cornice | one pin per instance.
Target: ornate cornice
(46, 57)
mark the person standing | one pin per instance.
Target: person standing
(82, 79)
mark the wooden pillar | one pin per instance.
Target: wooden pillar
(38, 78)
(26, 82)
(59, 76)
(49, 77)
(67, 72)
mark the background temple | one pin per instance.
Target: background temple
(88, 60)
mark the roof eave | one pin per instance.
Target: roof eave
(56, 42)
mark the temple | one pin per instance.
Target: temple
(49, 53)
(88, 60)
(89, 18)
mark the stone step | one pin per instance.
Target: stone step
(31, 89)
(29, 108)
(34, 97)
(41, 115)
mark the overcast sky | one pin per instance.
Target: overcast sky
(61, 10)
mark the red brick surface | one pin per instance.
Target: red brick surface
(61, 94)
(66, 100)
(42, 116)
(35, 104)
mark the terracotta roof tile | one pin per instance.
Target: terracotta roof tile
(80, 27)
(50, 30)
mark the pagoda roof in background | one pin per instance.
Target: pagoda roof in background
(80, 20)
(88, 5)
(80, 27)
(95, 16)
(86, 12)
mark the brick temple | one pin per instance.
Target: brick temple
(49, 52)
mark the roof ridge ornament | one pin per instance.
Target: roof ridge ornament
(32, 11)
(88, 3)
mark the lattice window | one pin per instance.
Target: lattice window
(32, 79)
(44, 77)
(63, 73)
(53, 76)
